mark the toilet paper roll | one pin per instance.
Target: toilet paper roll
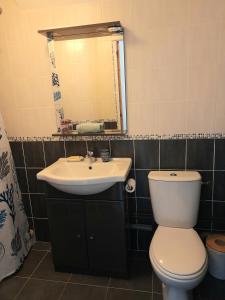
(216, 242)
(130, 185)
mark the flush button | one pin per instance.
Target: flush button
(173, 174)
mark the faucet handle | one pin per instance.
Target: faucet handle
(90, 153)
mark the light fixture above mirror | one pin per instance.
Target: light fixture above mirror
(88, 78)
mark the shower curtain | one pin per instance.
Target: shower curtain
(15, 237)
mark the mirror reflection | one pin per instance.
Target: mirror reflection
(90, 79)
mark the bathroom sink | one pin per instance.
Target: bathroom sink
(83, 177)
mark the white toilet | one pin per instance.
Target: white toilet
(177, 253)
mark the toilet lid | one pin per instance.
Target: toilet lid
(178, 251)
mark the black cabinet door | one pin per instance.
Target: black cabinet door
(106, 236)
(68, 234)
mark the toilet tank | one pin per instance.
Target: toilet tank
(175, 197)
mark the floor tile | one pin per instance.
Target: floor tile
(41, 290)
(140, 277)
(119, 294)
(46, 271)
(88, 279)
(42, 246)
(83, 292)
(10, 287)
(30, 263)
(211, 289)
(157, 284)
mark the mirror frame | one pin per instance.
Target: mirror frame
(79, 32)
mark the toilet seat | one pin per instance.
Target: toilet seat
(178, 253)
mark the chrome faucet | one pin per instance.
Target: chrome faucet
(90, 156)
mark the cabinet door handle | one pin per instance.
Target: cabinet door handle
(91, 237)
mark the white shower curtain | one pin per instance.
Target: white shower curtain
(15, 238)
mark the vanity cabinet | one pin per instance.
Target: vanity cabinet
(88, 235)
(106, 236)
(68, 234)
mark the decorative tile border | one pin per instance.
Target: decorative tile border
(124, 137)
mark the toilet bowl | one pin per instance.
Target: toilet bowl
(177, 254)
(179, 259)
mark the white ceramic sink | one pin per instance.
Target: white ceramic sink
(83, 178)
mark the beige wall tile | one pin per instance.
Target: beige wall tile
(175, 62)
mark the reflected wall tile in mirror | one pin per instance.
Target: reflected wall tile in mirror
(75, 148)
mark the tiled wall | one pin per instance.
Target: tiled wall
(175, 62)
(205, 155)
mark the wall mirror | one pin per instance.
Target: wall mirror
(88, 78)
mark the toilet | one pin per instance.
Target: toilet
(177, 254)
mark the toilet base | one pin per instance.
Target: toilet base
(173, 293)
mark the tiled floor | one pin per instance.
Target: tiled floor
(37, 280)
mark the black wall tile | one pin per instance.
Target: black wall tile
(38, 203)
(145, 219)
(203, 225)
(76, 148)
(219, 211)
(26, 204)
(144, 239)
(146, 154)
(30, 221)
(122, 149)
(53, 151)
(220, 154)
(132, 239)
(34, 154)
(96, 146)
(205, 210)
(199, 157)
(219, 225)
(219, 186)
(207, 183)
(172, 154)
(142, 187)
(17, 152)
(131, 206)
(41, 230)
(22, 180)
(144, 206)
(35, 186)
(200, 154)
